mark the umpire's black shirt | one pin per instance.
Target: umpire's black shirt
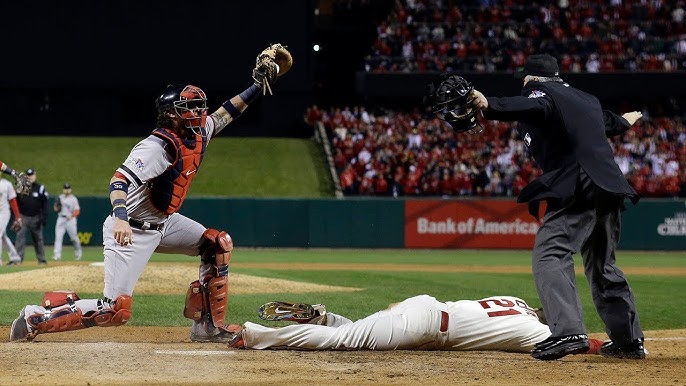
(34, 203)
(564, 129)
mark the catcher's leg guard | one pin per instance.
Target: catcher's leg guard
(212, 295)
(66, 316)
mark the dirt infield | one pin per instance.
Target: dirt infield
(155, 356)
(157, 278)
(131, 355)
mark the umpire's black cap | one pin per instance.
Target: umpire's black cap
(539, 65)
(30, 171)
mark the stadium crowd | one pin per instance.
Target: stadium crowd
(498, 35)
(393, 153)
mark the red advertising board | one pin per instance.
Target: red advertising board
(468, 224)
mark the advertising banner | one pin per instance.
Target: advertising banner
(655, 225)
(468, 224)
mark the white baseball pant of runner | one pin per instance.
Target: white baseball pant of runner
(417, 323)
(70, 226)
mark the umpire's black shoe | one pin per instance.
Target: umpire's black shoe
(633, 350)
(555, 347)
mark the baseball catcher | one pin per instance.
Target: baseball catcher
(450, 100)
(147, 191)
(270, 64)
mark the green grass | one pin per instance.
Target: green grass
(236, 167)
(657, 298)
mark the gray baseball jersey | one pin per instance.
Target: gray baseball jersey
(147, 160)
(66, 222)
(497, 323)
(70, 204)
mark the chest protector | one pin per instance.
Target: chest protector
(170, 188)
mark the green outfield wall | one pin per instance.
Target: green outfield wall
(388, 223)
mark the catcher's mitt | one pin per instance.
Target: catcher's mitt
(271, 63)
(16, 226)
(449, 99)
(22, 184)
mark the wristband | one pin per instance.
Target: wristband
(119, 209)
(119, 185)
(233, 111)
(250, 94)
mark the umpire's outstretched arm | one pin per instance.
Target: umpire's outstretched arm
(516, 108)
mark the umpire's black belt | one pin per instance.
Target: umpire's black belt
(144, 225)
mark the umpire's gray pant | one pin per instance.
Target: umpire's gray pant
(588, 223)
(33, 224)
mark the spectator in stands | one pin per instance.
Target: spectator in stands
(496, 35)
(386, 136)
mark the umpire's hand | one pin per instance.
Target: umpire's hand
(478, 100)
(632, 116)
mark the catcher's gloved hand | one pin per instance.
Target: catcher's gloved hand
(16, 225)
(271, 63)
(22, 183)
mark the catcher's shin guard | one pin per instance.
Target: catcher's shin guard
(62, 314)
(212, 295)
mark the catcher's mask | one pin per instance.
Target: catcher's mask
(187, 102)
(449, 100)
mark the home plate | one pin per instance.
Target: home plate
(194, 352)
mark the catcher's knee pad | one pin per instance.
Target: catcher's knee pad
(67, 316)
(216, 248)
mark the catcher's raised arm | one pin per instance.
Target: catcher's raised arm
(271, 63)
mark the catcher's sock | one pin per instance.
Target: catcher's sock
(595, 346)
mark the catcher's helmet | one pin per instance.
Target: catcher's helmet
(187, 102)
(449, 100)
